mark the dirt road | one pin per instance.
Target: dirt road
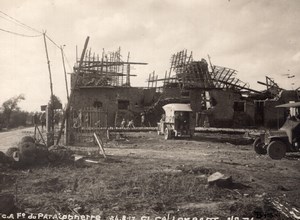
(10, 138)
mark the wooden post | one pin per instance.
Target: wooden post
(72, 91)
(149, 80)
(107, 134)
(76, 53)
(116, 117)
(152, 85)
(165, 79)
(100, 145)
(106, 119)
(51, 87)
(64, 67)
(128, 70)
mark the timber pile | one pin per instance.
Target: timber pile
(225, 130)
(285, 208)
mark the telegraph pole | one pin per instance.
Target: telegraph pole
(50, 133)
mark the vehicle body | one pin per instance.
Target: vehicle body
(286, 139)
(177, 121)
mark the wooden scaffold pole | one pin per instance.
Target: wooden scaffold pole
(72, 91)
(65, 72)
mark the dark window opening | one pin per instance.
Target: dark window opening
(213, 101)
(239, 106)
(123, 104)
(259, 113)
(97, 104)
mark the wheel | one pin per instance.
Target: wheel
(258, 146)
(276, 150)
(168, 134)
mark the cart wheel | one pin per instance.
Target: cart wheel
(168, 134)
(258, 146)
(276, 150)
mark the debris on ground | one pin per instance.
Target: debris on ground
(6, 180)
(5, 160)
(285, 208)
(59, 153)
(219, 180)
(52, 184)
(143, 179)
(27, 139)
(193, 169)
(28, 152)
(7, 203)
(172, 171)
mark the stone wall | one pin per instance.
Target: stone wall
(110, 99)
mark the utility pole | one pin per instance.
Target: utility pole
(51, 133)
(64, 66)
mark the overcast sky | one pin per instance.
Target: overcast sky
(257, 38)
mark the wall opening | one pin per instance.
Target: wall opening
(259, 113)
(123, 104)
(97, 104)
(239, 107)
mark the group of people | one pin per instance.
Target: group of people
(129, 125)
(39, 119)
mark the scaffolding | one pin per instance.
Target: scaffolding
(109, 70)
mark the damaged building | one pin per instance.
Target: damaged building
(217, 97)
(104, 97)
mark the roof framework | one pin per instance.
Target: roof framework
(109, 70)
(189, 74)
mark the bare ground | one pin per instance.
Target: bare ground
(146, 175)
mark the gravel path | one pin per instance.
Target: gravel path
(11, 138)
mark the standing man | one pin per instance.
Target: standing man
(130, 124)
(43, 120)
(143, 119)
(123, 123)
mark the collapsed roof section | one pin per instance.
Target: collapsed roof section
(272, 86)
(224, 77)
(189, 74)
(109, 70)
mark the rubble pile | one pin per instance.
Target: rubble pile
(29, 152)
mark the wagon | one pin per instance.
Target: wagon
(177, 121)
